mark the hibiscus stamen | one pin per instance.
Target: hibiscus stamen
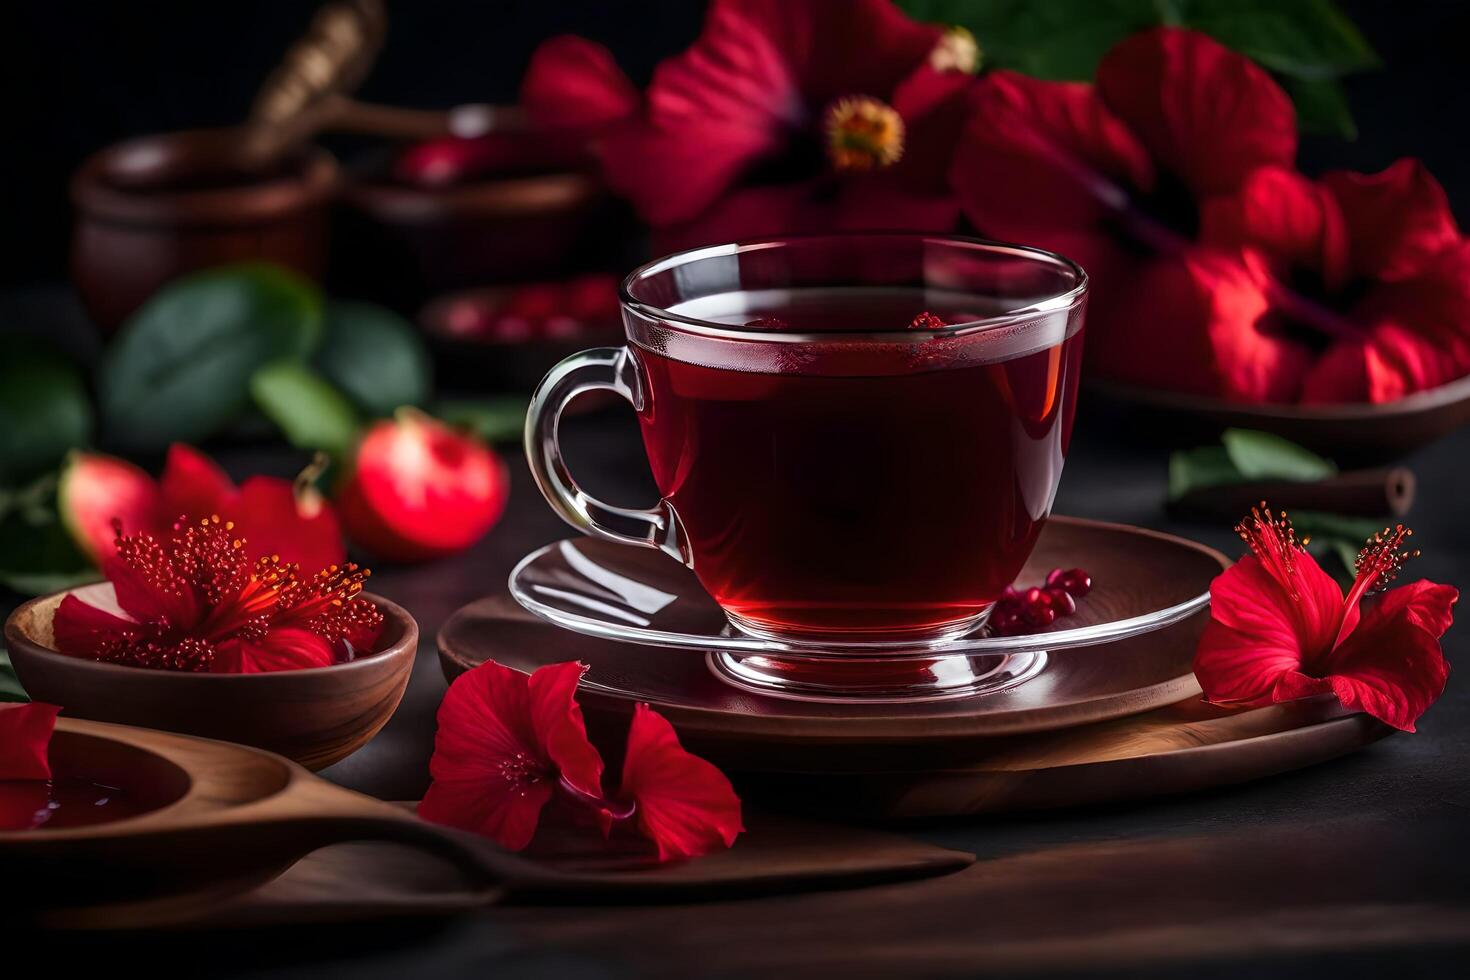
(1379, 562)
(956, 50)
(1273, 541)
(863, 134)
(522, 772)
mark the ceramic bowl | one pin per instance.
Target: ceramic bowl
(316, 717)
(151, 209)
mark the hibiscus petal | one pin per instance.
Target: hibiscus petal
(1391, 666)
(82, 630)
(25, 736)
(283, 648)
(193, 485)
(934, 107)
(574, 82)
(1292, 219)
(1042, 158)
(273, 522)
(1398, 219)
(684, 804)
(484, 722)
(1206, 114)
(557, 720)
(497, 809)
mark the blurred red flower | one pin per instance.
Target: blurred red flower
(1281, 629)
(1114, 175)
(196, 601)
(784, 116)
(269, 512)
(1374, 263)
(508, 744)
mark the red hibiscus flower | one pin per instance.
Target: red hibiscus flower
(273, 515)
(509, 744)
(1114, 176)
(1280, 629)
(1377, 267)
(785, 116)
(25, 736)
(196, 601)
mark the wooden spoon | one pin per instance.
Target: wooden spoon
(229, 817)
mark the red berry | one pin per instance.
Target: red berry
(927, 321)
(1010, 594)
(1036, 608)
(1075, 580)
(1004, 622)
(1062, 601)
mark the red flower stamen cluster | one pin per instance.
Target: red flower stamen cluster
(198, 602)
(1018, 610)
(1281, 628)
(509, 744)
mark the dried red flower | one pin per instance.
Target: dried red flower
(25, 736)
(196, 601)
(1281, 628)
(272, 514)
(509, 744)
(784, 116)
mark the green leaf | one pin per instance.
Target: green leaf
(37, 556)
(310, 412)
(492, 419)
(10, 689)
(1321, 107)
(375, 357)
(1308, 39)
(44, 410)
(180, 369)
(1321, 524)
(1263, 456)
(1195, 469)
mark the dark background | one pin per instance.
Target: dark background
(75, 76)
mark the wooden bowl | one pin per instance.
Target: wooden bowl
(1358, 434)
(402, 243)
(151, 209)
(315, 717)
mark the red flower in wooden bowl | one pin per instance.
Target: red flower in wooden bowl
(197, 601)
(275, 516)
(1378, 267)
(1113, 175)
(1281, 629)
(509, 744)
(784, 116)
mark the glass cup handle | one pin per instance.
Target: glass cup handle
(600, 369)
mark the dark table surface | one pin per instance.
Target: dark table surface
(1354, 867)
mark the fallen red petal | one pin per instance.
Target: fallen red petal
(25, 737)
(684, 804)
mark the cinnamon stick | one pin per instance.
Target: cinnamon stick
(1358, 493)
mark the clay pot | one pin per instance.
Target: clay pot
(151, 209)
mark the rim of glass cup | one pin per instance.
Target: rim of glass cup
(1059, 301)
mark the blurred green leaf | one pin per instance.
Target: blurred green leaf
(1321, 107)
(10, 689)
(375, 357)
(1195, 469)
(492, 419)
(1263, 456)
(44, 410)
(37, 555)
(1301, 38)
(180, 368)
(1320, 524)
(1063, 40)
(309, 410)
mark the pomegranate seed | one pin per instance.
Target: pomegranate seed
(1004, 622)
(1075, 580)
(1062, 601)
(1010, 594)
(927, 321)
